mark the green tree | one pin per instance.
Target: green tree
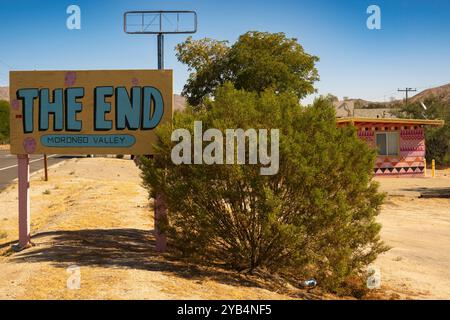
(332, 98)
(315, 218)
(256, 62)
(437, 140)
(4, 121)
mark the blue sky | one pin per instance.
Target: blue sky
(412, 48)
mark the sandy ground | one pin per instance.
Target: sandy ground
(418, 231)
(414, 187)
(93, 214)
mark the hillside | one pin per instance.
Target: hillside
(442, 92)
(4, 93)
(179, 102)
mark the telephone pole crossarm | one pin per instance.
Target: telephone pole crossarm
(406, 91)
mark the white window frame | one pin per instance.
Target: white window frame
(397, 133)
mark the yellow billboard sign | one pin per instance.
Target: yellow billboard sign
(88, 112)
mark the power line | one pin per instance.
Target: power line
(384, 95)
(406, 91)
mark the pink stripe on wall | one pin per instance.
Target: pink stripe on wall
(411, 145)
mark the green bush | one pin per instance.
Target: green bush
(438, 144)
(4, 121)
(437, 139)
(315, 218)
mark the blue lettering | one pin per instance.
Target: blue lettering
(27, 96)
(128, 114)
(152, 97)
(55, 108)
(72, 108)
(101, 107)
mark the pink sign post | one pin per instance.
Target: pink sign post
(74, 123)
(24, 200)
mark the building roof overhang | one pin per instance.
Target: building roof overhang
(353, 120)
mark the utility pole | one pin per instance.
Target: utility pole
(406, 91)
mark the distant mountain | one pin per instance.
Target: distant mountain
(179, 102)
(442, 92)
(4, 93)
(370, 109)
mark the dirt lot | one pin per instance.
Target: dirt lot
(93, 214)
(418, 231)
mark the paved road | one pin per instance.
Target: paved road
(8, 165)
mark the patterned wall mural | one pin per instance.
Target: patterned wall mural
(410, 160)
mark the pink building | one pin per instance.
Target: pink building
(400, 143)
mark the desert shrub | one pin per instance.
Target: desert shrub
(315, 218)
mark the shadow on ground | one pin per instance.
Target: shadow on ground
(425, 192)
(124, 248)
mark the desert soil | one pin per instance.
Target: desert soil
(94, 214)
(418, 232)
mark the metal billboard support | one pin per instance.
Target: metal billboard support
(152, 22)
(159, 23)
